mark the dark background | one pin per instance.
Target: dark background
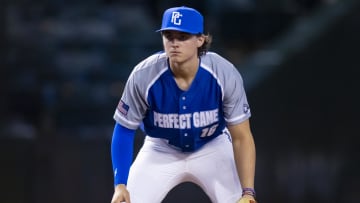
(64, 65)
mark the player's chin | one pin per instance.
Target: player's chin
(175, 58)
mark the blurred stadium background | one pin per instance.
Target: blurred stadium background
(64, 64)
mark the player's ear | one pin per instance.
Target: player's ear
(200, 40)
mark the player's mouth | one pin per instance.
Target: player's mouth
(174, 52)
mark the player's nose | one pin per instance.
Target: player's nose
(174, 42)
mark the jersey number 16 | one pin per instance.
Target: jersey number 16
(206, 132)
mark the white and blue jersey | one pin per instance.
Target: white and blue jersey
(187, 119)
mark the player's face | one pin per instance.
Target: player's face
(180, 46)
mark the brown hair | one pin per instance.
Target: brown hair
(206, 46)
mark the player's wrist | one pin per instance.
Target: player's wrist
(119, 186)
(249, 192)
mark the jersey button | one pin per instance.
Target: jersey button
(184, 107)
(183, 98)
(185, 134)
(187, 145)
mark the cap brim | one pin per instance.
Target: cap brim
(177, 29)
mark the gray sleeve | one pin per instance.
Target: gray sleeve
(235, 104)
(133, 104)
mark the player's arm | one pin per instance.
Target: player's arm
(122, 145)
(244, 153)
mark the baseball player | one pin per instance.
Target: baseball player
(193, 108)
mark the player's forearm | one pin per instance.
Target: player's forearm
(121, 153)
(245, 158)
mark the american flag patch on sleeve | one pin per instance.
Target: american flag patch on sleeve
(123, 108)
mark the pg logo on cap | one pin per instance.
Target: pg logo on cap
(176, 18)
(182, 19)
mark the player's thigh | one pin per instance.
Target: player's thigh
(151, 176)
(216, 173)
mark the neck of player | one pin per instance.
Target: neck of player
(184, 73)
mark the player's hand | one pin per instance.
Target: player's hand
(121, 194)
(247, 199)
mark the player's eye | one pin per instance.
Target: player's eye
(184, 37)
(168, 36)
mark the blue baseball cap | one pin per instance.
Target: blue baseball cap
(183, 19)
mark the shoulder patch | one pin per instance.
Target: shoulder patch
(246, 108)
(122, 107)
